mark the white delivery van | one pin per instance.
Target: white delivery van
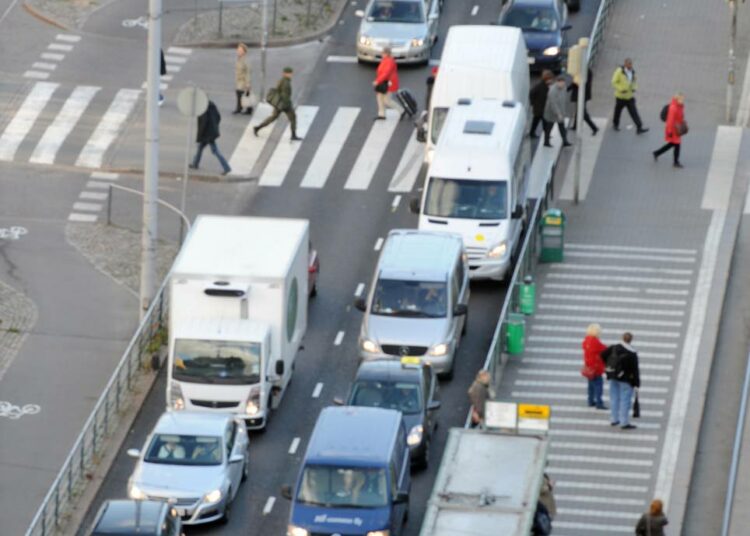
(237, 314)
(477, 62)
(477, 183)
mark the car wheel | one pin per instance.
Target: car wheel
(447, 375)
(227, 509)
(245, 469)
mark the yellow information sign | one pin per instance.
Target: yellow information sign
(531, 411)
(553, 220)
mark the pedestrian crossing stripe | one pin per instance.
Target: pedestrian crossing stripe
(286, 150)
(250, 146)
(372, 152)
(24, 119)
(330, 147)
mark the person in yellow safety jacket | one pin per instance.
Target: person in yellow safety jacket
(624, 83)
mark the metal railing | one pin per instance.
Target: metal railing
(184, 221)
(597, 32)
(104, 419)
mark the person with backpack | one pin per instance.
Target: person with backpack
(593, 365)
(280, 97)
(652, 523)
(675, 127)
(624, 376)
(624, 84)
(208, 133)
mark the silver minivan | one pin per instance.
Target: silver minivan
(417, 303)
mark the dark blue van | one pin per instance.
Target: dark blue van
(354, 478)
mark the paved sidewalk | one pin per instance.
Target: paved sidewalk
(643, 254)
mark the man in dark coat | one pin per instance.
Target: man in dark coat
(281, 100)
(538, 98)
(624, 376)
(208, 132)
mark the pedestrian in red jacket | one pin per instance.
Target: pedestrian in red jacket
(385, 83)
(674, 129)
(593, 365)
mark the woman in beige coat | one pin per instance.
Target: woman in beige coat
(242, 78)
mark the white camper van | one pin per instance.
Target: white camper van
(477, 62)
(477, 183)
(237, 314)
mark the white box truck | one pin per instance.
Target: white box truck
(477, 62)
(237, 314)
(488, 483)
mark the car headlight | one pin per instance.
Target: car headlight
(294, 530)
(417, 42)
(175, 395)
(415, 435)
(379, 533)
(370, 346)
(551, 51)
(439, 349)
(364, 41)
(136, 494)
(212, 497)
(499, 250)
(253, 405)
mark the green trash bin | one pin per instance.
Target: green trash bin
(552, 236)
(515, 334)
(527, 295)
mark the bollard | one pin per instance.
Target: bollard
(528, 295)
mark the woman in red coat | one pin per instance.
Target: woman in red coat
(674, 126)
(593, 369)
(385, 83)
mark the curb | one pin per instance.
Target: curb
(44, 17)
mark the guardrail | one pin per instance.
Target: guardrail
(75, 472)
(597, 32)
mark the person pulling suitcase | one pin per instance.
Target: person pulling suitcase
(385, 83)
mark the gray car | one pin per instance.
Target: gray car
(408, 27)
(195, 461)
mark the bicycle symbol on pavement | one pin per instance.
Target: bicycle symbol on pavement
(16, 412)
(141, 21)
(12, 233)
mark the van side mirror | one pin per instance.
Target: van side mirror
(286, 492)
(359, 13)
(460, 309)
(433, 405)
(279, 367)
(401, 497)
(338, 401)
(414, 205)
(517, 212)
(360, 304)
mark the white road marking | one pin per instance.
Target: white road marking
(108, 128)
(595, 309)
(171, 68)
(611, 299)
(474, 11)
(589, 153)
(621, 279)
(174, 59)
(162, 86)
(105, 175)
(408, 167)
(338, 339)
(577, 352)
(599, 421)
(330, 147)
(598, 528)
(98, 184)
(595, 318)
(629, 256)
(341, 59)
(575, 396)
(82, 218)
(283, 156)
(37, 75)
(378, 244)
(24, 119)
(60, 47)
(44, 66)
(632, 249)
(608, 329)
(180, 50)
(598, 513)
(566, 445)
(600, 486)
(295, 444)
(592, 288)
(632, 475)
(577, 374)
(68, 37)
(372, 152)
(52, 56)
(613, 268)
(64, 122)
(594, 459)
(96, 196)
(317, 390)
(90, 207)
(577, 385)
(250, 146)
(166, 77)
(563, 498)
(574, 340)
(666, 291)
(395, 202)
(360, 289)
(721, 170)
(269, 505)
(576, 363)
(689, 359)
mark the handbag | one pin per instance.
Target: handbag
(248, 100)
(636, 406)
(682, 128)
(382, 87)
(588, 372)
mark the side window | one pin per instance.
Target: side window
(229, 436)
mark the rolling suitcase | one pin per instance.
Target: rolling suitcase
(407, 101)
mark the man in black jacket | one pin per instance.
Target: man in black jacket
(538, 99)
(208, 132)
(624, 376)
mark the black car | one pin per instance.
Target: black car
(142, 518)
(544, 24)
(408, 386)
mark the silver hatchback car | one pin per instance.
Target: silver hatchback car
(408, 27)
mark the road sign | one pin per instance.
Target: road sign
(192, 101)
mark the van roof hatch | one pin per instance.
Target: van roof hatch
(479, 127)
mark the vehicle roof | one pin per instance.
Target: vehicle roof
(479, 156)
(354, 435)
(478, 47)
(391, 370)
(240, 246)
(410, 254)
(119, 517)
(223, 329)
(192, 423)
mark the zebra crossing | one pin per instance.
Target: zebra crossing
(41, 70)
(91, 199)
(604, 476)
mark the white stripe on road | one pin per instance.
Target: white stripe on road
(574, 340)
(576, 363)
(395, 202)
(563, 498)
(474, 11)
(631, 475)
(171, 68)
(37, 75)
(557, 408)
(105, 175)
(330, 147)
(52, 56)
(629, 256)
(599, 513)
(317, 390)
(166, 78)
(174, 59)
(666, 291)
(577, 374)
(599, 319)
(44, 66)
(721, 171)
(408, 167)
(108, 128)
(82, 218)
(540, 395)
(96, 196)
(295, 444)
(64, 122)
(269, 505)
(24, 119)
(250, 146)
(98, 184)
(613, 268)
(68, 37)
(617, 331)
(341, 59)
(619, 435)
(602, 422)
(338, 339)
(592, 288)
(612, 299)
(59, 47)
(565, 445)
(90, 207)
(595, 459)
(599, 529)
(577, 351)
(180, 50)
(631, 249)
(378, 244)
(621, 279)
(360, 289)
(589, 152)
(600, 486)
(372, 152)
(577, 385)
(283, 156)
(593, 309)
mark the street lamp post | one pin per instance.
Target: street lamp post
(732, 58)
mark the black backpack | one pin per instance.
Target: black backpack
(664, 112)
(542, 521)
(613, 363)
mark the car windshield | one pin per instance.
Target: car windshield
(343, 487)
(416, 299)
(470, 199)
(534, 19)
(402, 396)
(395, 11)
(184, 450)
(203, 361)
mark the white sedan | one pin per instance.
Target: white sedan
(195, 461)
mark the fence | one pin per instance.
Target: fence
(84, 456)
(597, 32)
